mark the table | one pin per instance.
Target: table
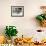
(25, 44)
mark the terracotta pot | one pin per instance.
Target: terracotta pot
(43, 23)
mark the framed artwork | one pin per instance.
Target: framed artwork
(17, 11)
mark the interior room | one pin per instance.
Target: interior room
(21, 23)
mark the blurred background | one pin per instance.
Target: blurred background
(26, 25)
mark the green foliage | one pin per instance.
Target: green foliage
(11, 31)
(45, 17)
(41, 17)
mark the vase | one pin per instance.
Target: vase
(13, 38)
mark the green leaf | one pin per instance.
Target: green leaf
(10, 31)
(40, 18)
(45, 16)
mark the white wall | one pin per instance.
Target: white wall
(26, 25)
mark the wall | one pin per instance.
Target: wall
(26, 25)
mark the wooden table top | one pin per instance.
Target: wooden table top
(31, 45)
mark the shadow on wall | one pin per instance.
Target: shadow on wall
(34, 21)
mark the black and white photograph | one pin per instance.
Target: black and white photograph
(17, 11)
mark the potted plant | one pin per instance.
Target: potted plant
(42, 17)
(10, 31)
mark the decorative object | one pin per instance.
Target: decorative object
(10, 32)
(17, 11)
(42, 17)
(2, 40)
(44, 40)
(23, 40)
(37, 43)
(39, 30)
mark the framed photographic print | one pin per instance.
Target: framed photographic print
(17, 11)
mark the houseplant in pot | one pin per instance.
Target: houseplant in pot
(10, 31)
(42, 17)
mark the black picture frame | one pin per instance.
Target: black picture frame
(17, 11)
